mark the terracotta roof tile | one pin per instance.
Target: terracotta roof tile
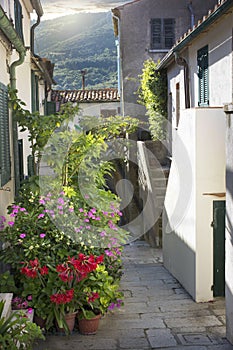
(100, 95)
(200, 21)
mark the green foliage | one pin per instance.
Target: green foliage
(7, 283)
(153, 95)
(40, 127)
(78, 42)
(17, 331)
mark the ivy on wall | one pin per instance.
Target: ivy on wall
(153, 95)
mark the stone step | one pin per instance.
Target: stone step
(7, 297)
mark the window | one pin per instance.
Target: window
(162, 33)
(5, 164)
(18, 18)
(203, 76)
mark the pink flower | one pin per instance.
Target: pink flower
(30, 310)
(103, 234)
(42, 201)
(22, 235)
(42, 235)
(40, 216)
(86, 220)
(11, 223)
(81, 210)
(29, 297)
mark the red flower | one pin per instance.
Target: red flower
(44, 270)
(31, 273)
(93, 297)
(62, 298)
(34, 263)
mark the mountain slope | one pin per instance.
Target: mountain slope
(79, 42)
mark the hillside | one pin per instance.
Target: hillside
(78, 42)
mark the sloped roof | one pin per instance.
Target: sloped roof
(202, 24)
(100, 95)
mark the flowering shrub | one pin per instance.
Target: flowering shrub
(43, 238)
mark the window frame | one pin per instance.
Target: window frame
(5, 158)
(159, 28)
(18, 13)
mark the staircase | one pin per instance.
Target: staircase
(153, 175)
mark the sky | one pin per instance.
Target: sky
(58, 8)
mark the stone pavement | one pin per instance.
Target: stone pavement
(158, 313)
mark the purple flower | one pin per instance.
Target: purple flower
(29, 297)
(30, 310)
(22, 209)
(42, 201)
(86, 220)
(60, 207)
(81, 210)
(11, 223)
(42, 235)
(103, 234)
(111, 306)
(97, 218)
(109, 253)
(61, 200)
(71, 209)
(40, 216)
(22, 235)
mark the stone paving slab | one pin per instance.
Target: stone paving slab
(158, 313)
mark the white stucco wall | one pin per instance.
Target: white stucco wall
(198, 167)
(23, 85)
(219, 41)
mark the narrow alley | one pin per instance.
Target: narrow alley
(158, 313)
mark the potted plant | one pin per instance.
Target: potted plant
(59, 289)
(17, 331)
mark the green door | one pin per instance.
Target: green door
(219, 248)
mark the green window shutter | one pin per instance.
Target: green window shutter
(203, 76)
(50, 107)
(169, 32)
(18, 19)
(34, 92)
(156, 33)
(162, 33)
(5, 162)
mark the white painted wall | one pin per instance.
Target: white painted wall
(23, 85)
(219, 41)
(198, 166)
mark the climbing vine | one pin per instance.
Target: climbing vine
(153, 95)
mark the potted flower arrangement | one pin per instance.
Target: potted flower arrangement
(59, 289)
(45, 263)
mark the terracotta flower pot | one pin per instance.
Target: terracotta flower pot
(70, 320)
(89, 326)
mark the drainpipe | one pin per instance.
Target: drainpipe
(39, 11)
(9, 31)
(182, 62)
(120, 85)
(192, 13)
